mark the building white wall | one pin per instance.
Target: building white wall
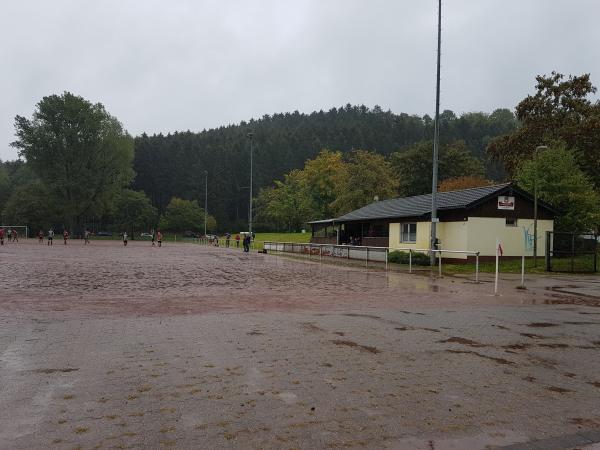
(483, 231)
(476, 234)
(423, 233)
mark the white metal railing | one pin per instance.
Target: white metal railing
(350, 252)
(366, 253)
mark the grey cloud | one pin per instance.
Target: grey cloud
(165, 66)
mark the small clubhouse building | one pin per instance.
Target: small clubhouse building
(469, 219)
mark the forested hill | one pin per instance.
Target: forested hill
(173, 165)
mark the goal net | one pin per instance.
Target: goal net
(22, 231)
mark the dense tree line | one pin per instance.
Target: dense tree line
(174, 165)
(80, 164)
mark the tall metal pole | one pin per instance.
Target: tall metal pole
(535, 203)
(250, 135)
(205, 199)
(436, 141)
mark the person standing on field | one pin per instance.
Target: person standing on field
(159, 238)
(65, 235)
(41, 237)
(15, 235)
(1, 236)
(237, 240)
(50, 236)
(153, 237)
(86, 237)
(125, 239)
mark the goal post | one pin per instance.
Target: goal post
(22, 230)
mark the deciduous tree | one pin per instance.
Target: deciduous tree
(81, 153)
(184, 215)
(560, 110)
(563, 185)
(370, 176)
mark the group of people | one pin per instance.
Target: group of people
(156, 237)
(246, 241)
(50, 236)
(11, 235)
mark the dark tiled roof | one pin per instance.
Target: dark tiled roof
(421, 204)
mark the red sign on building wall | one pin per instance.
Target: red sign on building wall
(506, 202)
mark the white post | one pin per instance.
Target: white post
(367, 258)
(440, 264)
(409, 261)
(386, 258)
(523, 271)
(496, 277)
(477, 268)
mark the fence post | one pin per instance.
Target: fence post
(573, 252)
(386, 258)
(477, 267)
(367, 258)
(321, 253)
(595, 253)
(309, 252)
(523, 271)
(409, 260)
(496, 275)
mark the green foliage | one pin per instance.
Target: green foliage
(31, 205)
(560, 110)
(413, 167)
(185, 215)
(369, 176)
(287, 204)
(5, 187)
(400, 257)
(323, 176)
(80, 152)
(172, 165)
(562, 184)
(134, 211)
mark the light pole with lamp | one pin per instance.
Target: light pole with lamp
(205, 199)
(250, 136)
(436, 142)
(535, 202)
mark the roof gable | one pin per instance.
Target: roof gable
(420, 205)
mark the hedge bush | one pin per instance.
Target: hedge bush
(418, 259)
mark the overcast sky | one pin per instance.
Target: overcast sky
(161, 66)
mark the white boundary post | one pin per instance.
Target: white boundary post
(496, 277)
(523, 271)
(367, 258)
(477, 268)
(386, 258)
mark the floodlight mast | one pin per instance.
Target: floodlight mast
(436, 143)
(205, 199)
(250, 136)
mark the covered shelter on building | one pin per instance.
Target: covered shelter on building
(469, 220)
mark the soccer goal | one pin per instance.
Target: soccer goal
(22, 230)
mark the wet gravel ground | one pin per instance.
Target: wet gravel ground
(196, 347)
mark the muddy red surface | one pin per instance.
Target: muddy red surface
(107, 278)
(185, 346)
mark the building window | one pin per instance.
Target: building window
(511, 222)
(408, 232)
